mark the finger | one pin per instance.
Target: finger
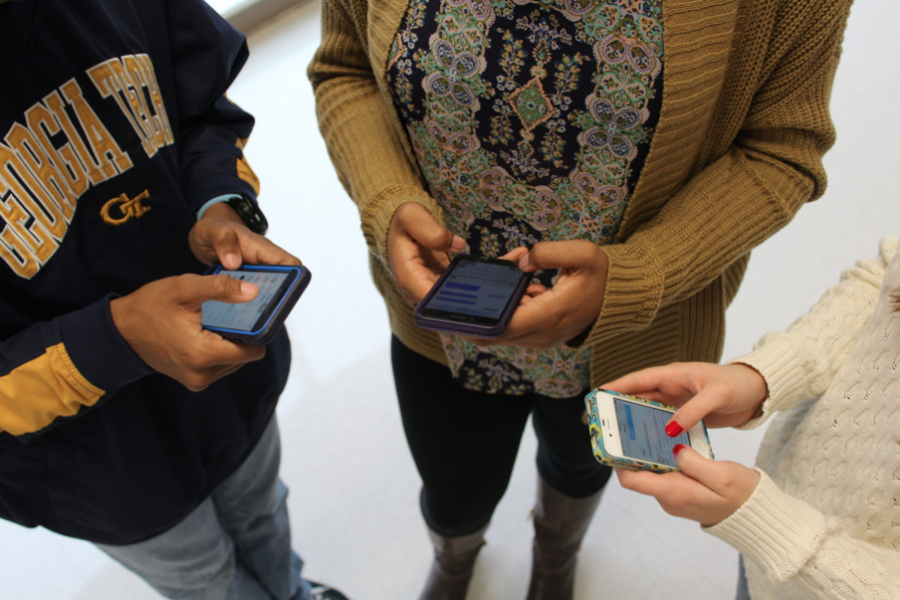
(708, 472)
(694, 410)
(535, 289)
(666, 384)
(197, 289)
(415, 280)
(262, 251)
(573, 254)
(201, 379)
(639, 381)
(647, 483)
(529, 318)
(421, 226)
(227, 244)
(515, 255)
(222, 353)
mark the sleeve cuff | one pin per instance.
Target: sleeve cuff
(379, 210)
(786, 381)
(222, 184)
(216, 200)
(97, 350)
(777, 531)
(634, 287)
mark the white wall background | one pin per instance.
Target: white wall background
(354, 486)
(223, 6)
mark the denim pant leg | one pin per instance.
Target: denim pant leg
(203, 557)
(743, 591)
(252, 507)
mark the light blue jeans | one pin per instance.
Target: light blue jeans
(743, 591)
(235, 546)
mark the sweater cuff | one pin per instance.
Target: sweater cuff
(775, 530)
(634, 287)
(786, 381)
(379, 210)
(220, 184)
(97, 349)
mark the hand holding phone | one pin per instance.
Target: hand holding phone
(257, 321)
(161, 323)
(417, 247)
(474, 296)
(629, 432)
(706, 491)
(571, 306)
(722, 395)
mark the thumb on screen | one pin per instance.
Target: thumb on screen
(221, 288)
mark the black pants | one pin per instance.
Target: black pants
(464, 443)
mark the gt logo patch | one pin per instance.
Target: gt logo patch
(127, 209)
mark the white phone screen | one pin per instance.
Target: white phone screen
(643, 435)
(242, 317)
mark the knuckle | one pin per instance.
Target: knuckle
(222, 284)
(676, 503)
(196, 382)
(225, 234)
(627, 483)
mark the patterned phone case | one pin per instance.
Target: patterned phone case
(600, 453)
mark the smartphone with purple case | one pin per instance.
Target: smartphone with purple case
(474, 296)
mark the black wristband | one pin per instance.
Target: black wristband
(249, 214)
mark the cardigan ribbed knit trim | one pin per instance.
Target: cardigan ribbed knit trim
(737, 151)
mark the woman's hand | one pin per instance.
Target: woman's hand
(723, 395)
(417, 249)
(570, 307)
(706, 491)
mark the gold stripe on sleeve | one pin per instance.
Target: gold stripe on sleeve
(243, 168)
(40, 391)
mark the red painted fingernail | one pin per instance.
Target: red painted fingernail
(678, 448)
(673, 429)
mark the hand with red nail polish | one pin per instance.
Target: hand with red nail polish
(722, 395)
(673, 429)
(705, 491)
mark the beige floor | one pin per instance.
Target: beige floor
(353, 484)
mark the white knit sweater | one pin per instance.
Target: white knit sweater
(824, 521)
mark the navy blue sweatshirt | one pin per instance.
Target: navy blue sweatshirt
(116, 129)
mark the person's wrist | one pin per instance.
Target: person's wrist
(222, 210)
(248, 212)
(755, 387)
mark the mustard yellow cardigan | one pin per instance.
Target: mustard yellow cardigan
(737, 151)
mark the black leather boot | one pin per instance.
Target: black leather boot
(454, 562)
(560, 523)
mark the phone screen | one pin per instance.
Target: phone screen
(243, 317)
(479, 290)
(642, 432)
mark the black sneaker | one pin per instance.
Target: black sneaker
(320, 591)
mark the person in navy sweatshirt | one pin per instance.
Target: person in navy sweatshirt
(122, 421)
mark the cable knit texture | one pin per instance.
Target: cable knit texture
(824, 521)
(737, 151)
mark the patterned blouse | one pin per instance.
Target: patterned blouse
(531, 120)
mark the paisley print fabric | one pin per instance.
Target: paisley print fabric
(531, 121)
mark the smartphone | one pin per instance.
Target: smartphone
(628, 432)
(257, 321)
(474, 296)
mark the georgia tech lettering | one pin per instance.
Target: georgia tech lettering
(63, 149)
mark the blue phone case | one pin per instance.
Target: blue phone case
(264, 333)
(596, 431)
